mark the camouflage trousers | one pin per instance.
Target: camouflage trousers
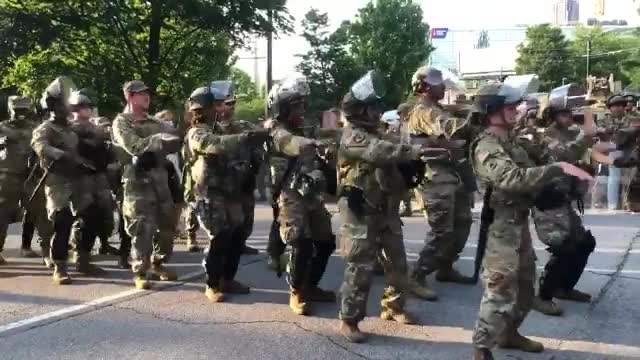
(150, 219)
(36, 213)
(508, 276)
(222, 217)
(10, 196)
(448, 208)
(369, 234)
(97, 219)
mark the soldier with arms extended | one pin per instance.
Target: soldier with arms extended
(148, 206)
(15, 150)
(557, 223)
(299, 183)
(216, 166)
(370, 186)
(448, 189)
(512, 178)
(68, 199)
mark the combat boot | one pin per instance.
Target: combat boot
(350, 330)
(547, 307)
(106, 249)
(123, 262)
(513, 340)
(214, 294)
(28, 253)
(573, 295)
(141, 282)
(297, 303)
(85, 267)
(159, 272)
(449, 274)
(192, 243)
(233, 287)
(421, 290)
(248, 250)
(2, 260)
(316, 294)
(401, 317)
(482, 354)
(60, 275)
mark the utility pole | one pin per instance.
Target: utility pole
(588, 59)
(270, 50)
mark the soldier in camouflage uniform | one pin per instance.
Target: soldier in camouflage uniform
(616, 120)
(505, 169)
(148, 206)
(448, 189)
(15, 149)
(558, 225)
(305, 223)
(370, 186)
(227, 125)
(68, 199)
(217, 167)
(93, 147)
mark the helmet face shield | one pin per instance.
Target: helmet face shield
(291, 90)
(226, 88)
(370, 87)
(60, 89)
(511, 95)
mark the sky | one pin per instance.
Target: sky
(459, 14)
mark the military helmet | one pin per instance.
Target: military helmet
(18, 103)
(227, 88)
(81, 98)
(493, 97)
(57, 92)
(426, 75)
(616, 100)
(204, 96)
(367, 90)
(290, 91)
(531, 103)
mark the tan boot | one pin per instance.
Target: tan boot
(422, 291)
(401, 317)
(214, 294)
(85, 267)
(233, 287)
(141, 282)
(60, 274)
(573, 295)
(316, 294)
(160, 272)
(297, 303)
(547, 307)
(449, 274)
(516, 341)
(482, 354)
(350, 330)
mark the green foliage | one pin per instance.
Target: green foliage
(250, 110)
(245, 87)
(173, 45)
(388, 35)
(483, 40)
(546, 52)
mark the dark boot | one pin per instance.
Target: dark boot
(573, 295)
(547, 307)
(192, 243)
(234, 287)
(316, 294)
(159, 272)
(85, 267)
(449, 274)
(350, 330)
(482, 354)
(514, 340)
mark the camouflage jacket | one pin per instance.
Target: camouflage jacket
(369, 163)
(431, 119)
(15, 147)
(52, 141)
(213, 162)
(133, 138)
(502, 164)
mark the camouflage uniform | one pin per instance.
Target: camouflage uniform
(15, 150)
(509, 268)
(147, 207)
(368, 172)
(561, 228)
(447, 191)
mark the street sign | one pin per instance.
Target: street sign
(439, 33)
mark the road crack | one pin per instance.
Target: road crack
(247, 322)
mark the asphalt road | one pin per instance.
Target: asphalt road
(107, 319)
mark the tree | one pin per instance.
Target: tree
(611, 53)
(483, 40)
(245, 87)
(391, 36)
(328, 66)
(173, 45)
(546, 52)
(251, 104)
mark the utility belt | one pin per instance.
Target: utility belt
(446, 151)
(307, 184)
(358, 203)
